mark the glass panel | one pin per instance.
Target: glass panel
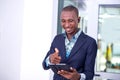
(108, 57)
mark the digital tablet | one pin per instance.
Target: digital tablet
(56, 67)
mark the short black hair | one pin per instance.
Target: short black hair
(71, 8)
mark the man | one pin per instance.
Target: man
(73, 48)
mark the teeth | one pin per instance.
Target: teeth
(67, 29)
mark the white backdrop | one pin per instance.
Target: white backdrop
(26, 31)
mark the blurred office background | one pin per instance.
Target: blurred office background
(27, 28)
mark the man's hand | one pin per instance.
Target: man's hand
(55, 58)
(72, 75)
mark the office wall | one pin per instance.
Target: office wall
(36, 38)
(25, 36)
(11, 16)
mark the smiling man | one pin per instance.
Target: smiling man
(73, 48)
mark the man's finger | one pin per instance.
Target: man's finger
(72, 69)
(56, 51)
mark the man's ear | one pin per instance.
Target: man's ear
(78, 19)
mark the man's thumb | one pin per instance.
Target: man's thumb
(56, 51)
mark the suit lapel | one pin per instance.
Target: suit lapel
(63, 50)
(80, 41)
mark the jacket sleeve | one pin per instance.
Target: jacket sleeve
(90, 60)
(48, 53)
(44, 61)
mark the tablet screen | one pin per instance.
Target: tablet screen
(56, 67)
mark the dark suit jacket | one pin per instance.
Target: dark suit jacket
(82, 56)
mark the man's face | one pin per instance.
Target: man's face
(69, 21)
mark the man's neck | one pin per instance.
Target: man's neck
(69, 36)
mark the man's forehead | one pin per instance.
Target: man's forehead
(68, 13)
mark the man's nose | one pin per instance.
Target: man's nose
(66, 24)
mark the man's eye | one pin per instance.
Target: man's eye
(62, 21)
(70, 20)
